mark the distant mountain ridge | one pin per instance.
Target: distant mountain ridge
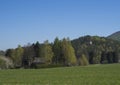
(115, 36)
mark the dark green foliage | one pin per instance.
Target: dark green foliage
(57, 49)
(37, 49)
(110, 57)
(97, 49)
(104, 59)
(94, 56)
(9, 53)
(38, 66)
(28, 56)
(116, 57)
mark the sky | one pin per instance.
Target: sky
(28, 21)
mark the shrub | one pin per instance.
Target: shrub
(38, 66)
(5, 63)
(83, 61)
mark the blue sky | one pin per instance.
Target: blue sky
(24, 21)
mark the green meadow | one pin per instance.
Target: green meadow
(107, 74)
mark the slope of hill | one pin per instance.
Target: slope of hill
(115, 36)
(97, 49)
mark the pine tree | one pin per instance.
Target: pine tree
(57, 51)
(37, 49)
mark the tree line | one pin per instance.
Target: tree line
(82, 51)
(59, 53)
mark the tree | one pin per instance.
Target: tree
(10, 53)
(83, 61)
(68, 53)
(57, 51)
(28, 55)
(16, 55)
(110, 57)
(46, 52)
(17, 58)
(37, 49)
(104, 58)
(95, 56)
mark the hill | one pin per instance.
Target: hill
(97, 49)
(115, 36)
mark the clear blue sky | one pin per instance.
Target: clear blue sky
(23, 21)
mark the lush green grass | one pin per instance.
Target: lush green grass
(89, 75)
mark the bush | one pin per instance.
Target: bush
(38, 66)
(5, 63)
(83, 61)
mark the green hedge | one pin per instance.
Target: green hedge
(38, 66)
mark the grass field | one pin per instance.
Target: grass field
(89, 75)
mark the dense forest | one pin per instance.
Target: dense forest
(97, 49)
(82, 51)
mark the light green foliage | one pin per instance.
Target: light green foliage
(68, 52)
(84, 75)
(47, 53)
(18, 54)
(83, 61)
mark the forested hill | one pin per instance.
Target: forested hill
(97, 49)
(115, 36)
